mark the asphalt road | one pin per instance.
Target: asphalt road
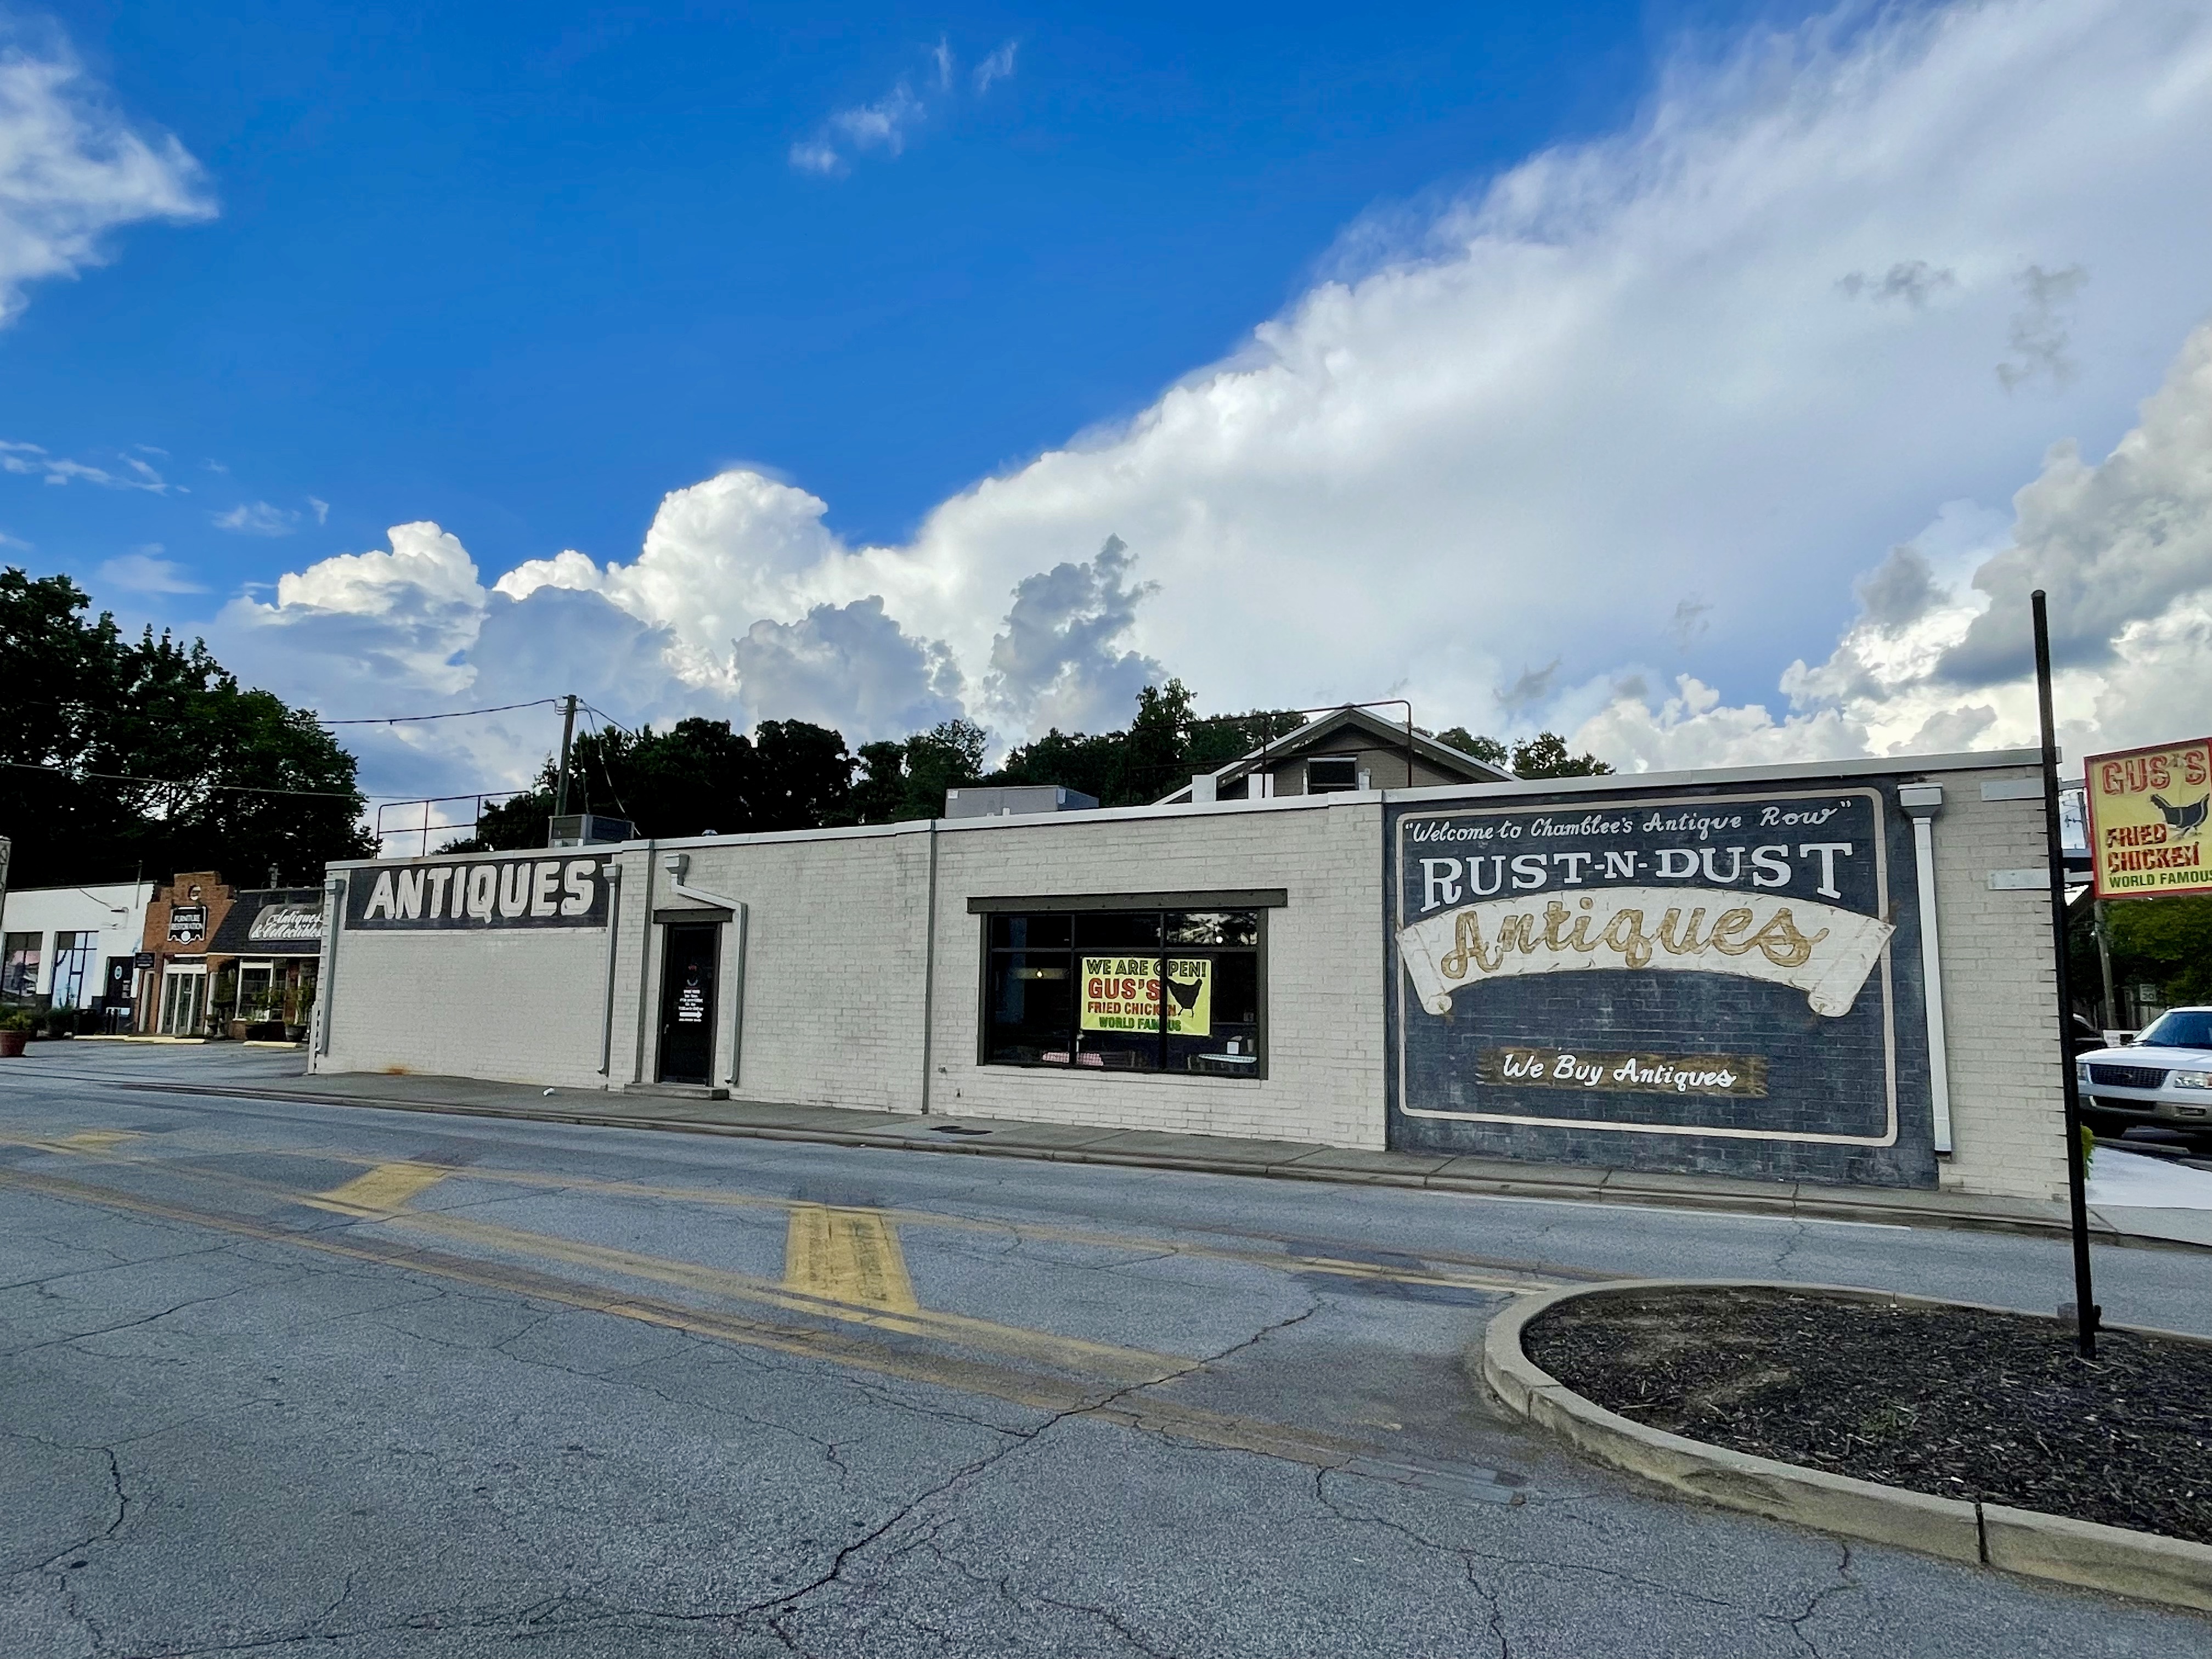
(294, 1380)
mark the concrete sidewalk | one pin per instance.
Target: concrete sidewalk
(1062, 1143)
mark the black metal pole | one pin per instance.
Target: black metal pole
(2085, 1310)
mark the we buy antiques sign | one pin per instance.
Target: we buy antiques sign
(2146, 826)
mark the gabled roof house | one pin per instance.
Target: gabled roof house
(1345, 749)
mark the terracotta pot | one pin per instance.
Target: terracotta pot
(11, 1043)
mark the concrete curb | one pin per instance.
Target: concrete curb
(1537, 1183)
(2115, 1559)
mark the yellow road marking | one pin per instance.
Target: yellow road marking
(1070, 1352)
(1499, 1279)
(847, 1255)
(94, 1140)
(1151, 1415)
(385, 1190)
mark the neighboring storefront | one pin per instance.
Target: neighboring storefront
(65, 948)
(263, 963)
(174, 993)
(1743, 973)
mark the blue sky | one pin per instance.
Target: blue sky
(1708, 381)
(521, 270)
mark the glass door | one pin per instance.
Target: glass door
(182, 996)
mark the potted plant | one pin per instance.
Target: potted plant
(14, 1032)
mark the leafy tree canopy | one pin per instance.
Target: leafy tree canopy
(78, 700)
(2163, 943)
(698, 775)
(1544, 756)
(1164, 746)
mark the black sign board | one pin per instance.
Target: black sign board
(119, 969)
(187, 923)
(1711, 981)
(145, 959)
(552, 891)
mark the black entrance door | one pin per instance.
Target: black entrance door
(687, 1002)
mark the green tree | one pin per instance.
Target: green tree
(245, 783)
(902, 781)
(1162, 747)
(1544, 756)
(1488, 751)
(700, 775)
(2166, 943)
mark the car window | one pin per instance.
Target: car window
(2184, 1028)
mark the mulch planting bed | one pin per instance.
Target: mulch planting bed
(1954, 1402)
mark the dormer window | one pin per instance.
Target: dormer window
(1328, 774)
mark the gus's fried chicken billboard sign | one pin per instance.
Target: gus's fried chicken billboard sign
(2147, 820)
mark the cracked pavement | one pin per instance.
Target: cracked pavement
(1140, 1413)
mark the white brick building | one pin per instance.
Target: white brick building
(857, 968)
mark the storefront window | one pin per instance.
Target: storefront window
(19, 964)
(74, 954)
(1125, 990)
(254, 992)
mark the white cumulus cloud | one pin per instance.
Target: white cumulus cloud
(1606, 445)
(72, 170)
(142, 570)
(32, 461)
(1941, 654)
(258, 518)
(889, 123)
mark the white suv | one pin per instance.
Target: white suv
(2164, 1077)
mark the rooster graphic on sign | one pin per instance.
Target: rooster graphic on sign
(2183, 820)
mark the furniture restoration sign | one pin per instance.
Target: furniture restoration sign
(1124, 994)
(1703, 981)
(2147, 820)
(452, 894)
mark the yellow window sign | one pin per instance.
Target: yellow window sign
(2146, 826)
(1124, 994)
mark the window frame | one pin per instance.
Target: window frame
(1350, 761)
(78, 959)
(1260, 901)
(14, 957)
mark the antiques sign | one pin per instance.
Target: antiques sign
(2147, 820)
(1590, 980)
(557, 892)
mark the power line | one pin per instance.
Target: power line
(451, 714)
(172, 783)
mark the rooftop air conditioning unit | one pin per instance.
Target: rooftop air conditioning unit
(587, 829)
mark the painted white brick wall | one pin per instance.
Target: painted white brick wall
(1323, 1018)
(835, 994)
(516, 1006)
(1999, 995)
(833, 981)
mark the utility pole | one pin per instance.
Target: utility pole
(568, 735)
(2085, 1309)
(2103, 925)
